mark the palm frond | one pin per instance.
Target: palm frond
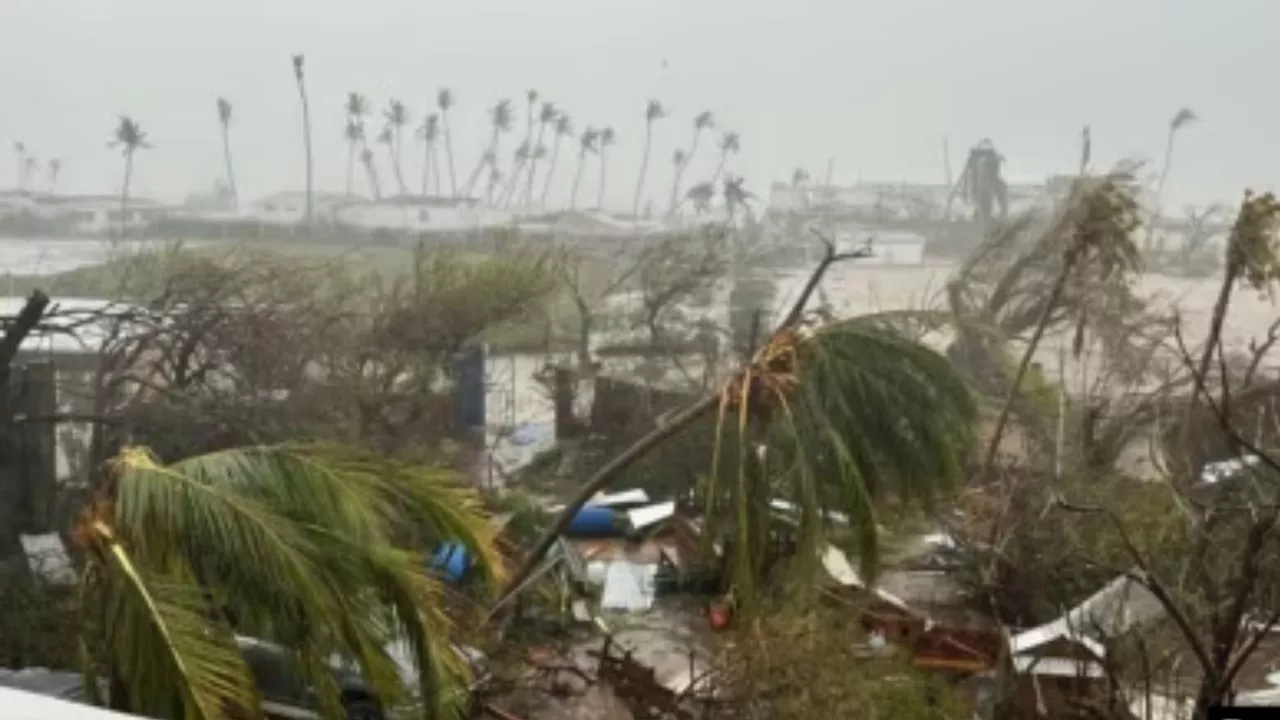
(172, 657)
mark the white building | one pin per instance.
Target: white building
(97, 214)
(290, 207)
(418, 214)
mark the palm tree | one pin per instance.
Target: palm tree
(357, 110)
(224, 119)
(678, 158)
(371, 172)
(299, 76)
(300, 545)
(55, 169)
(816, 397)
(701, 196)
(495, 180)
(1181, 119)
(130, 138)
(653, 112)
(586, 144)
(546, 116)
(354, 134)
(29, 169)
(386, 138)
(736, 197)
(730, 143)
(500, 123)
(396, 117)
(429, 132)
(799, 176)
(607, 139)
(444, 101)
(703, 121)
(518, 160)
(522, 157)
(563, 129)
(20, 152)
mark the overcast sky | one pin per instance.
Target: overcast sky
(875, 86)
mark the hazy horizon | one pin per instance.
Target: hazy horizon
(874, 86)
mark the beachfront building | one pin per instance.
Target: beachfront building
(97, 214)
(420, 214)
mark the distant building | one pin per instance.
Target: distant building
(420, 214)
(290, 207)
(97, 214)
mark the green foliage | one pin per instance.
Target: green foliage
(851, 415)
(810, 664)
(319, 548)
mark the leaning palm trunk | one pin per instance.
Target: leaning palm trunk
(551, 171)
(644, 170)
(577, 179)
(604, 173)
(231, 173)
(396, 164)
(124, 193)
(351, 165)
(306, 137)
(426, 171)
(448, 151)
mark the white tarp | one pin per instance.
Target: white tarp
(23, 705)
(643, 517)
(628, 586)
(841, 570)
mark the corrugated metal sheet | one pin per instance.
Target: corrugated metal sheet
(841, 570)
(1057, 667)
(24, 705)
(649, 515)
(628, 586)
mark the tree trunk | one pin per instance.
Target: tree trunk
(551, 171)
(1055, 295)
(351, 165)
(306, 138)
(604, 166)
(396, 164)
(426, 169)
(724, 158)
(577, 179)
(533, 166)
(448, 150)
(231, 172)
(644, 169)
(124, 192)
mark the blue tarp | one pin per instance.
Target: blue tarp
(452, 560)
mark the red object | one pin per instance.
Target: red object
(719, 615)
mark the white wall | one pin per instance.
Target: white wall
(416, 218)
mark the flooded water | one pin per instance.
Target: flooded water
(49, 256)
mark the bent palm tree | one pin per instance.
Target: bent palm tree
(678, 159)
(20, 154)
(302, 545)
(500, 124)
(730, 144)
(55, 169)
(546, 116)
(299, 76)
(701, 196)
(130, 138)
(518, 160)
(444, 101)
(429, 132)
(564, 129)
(371, 172)
(704, 121)
(1183, 118)
(357, 110)
(396, 117)
(607, 139)
(224, 120)
(652, 113)
(586, 144)
(850, 412)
